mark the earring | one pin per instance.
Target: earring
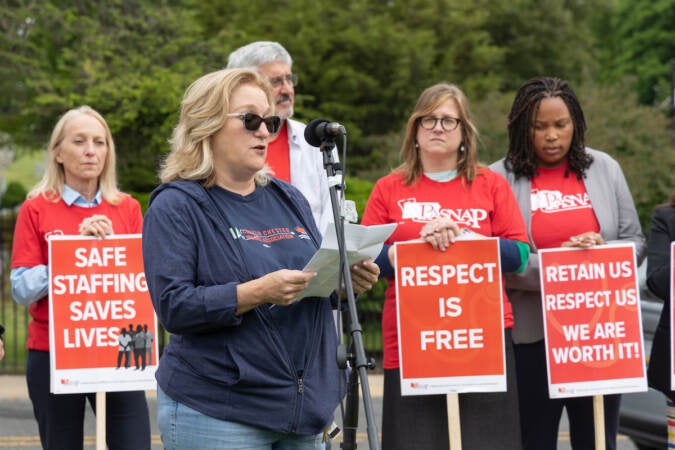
(417, 145)
(461, 148)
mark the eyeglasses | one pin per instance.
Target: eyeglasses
(291, 78)
(252, 121)
(447, 123)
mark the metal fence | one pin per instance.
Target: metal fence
(15, 317)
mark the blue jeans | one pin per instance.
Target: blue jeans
(184, 428)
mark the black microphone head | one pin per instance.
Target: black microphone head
(311, 135)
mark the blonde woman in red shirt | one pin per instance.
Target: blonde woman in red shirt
(77, 195)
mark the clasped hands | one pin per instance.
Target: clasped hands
(97, 225)
(440, 233)
(584, 240)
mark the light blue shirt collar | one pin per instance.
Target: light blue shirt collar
(447, 175)
(72, 197)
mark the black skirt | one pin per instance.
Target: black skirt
(488, 421)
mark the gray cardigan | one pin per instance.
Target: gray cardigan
(614, 208)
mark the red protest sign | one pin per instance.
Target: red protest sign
(450, 324)
(672, 314)
(592, 321)
(97, 287)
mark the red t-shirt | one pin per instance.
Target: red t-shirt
(37, 220)
(278, 155)
(560, 208)
(486, 206)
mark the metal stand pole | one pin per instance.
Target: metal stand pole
(359, 362)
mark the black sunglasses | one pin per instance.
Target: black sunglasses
(252, 121)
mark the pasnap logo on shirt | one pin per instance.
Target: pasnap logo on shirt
(427, 211)
(49, 234)
(554, 201)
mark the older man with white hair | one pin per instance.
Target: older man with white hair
(290, 157)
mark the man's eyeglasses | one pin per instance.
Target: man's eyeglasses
(447, 123)
(252, 121)
(291, 78)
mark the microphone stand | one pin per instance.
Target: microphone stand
(358, 360)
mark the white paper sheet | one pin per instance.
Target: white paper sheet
(362, 242)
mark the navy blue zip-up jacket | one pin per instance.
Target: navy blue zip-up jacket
(232, 367)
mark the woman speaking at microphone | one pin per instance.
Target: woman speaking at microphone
(250, 363)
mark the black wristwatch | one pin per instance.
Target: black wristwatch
(2, 331)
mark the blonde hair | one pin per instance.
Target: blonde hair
(54, 178)
(429, 100)
(203, 112)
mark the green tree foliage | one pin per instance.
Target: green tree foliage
(358, 191)
(639, 41)
(129, 59)
(361, 62)
(638, 137)
(14, 195)
(544, 37)
(364, 63)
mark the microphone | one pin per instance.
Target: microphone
(318, 130)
